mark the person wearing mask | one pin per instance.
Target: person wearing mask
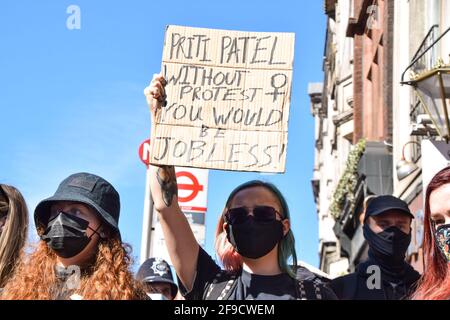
(435, 281)
(13, 230)
(253, 242)
(385, 275)
(156, 276)
(80, 254)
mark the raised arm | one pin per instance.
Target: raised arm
(181, 243)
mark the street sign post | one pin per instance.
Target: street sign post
(192, 199)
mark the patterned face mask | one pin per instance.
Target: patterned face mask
(442, 239)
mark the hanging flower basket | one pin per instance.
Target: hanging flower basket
(348, 181)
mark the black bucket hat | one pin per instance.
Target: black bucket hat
(156, 270)
(86, 188)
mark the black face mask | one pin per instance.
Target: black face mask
(66, 235)
(253, 239)
(389, 246)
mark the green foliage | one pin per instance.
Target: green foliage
(347, 183)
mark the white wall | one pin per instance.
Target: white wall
(401, 93)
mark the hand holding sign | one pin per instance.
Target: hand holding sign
(155, 93)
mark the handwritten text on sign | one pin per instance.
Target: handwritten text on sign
(228, 97)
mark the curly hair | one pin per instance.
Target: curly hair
(108, 278)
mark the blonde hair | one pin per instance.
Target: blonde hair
(14, 235)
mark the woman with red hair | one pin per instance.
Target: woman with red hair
(81, 254)
(254, 240)
(435, 284)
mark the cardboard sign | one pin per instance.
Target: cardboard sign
(228, 97)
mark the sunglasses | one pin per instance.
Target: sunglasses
(260, 214)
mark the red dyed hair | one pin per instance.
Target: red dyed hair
(231, 260)
(435, 282)
(109, 277)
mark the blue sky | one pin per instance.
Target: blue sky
(72, 101)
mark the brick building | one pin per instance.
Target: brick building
(367, 122)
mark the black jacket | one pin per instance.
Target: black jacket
(357, 286)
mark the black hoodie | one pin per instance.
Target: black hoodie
(393, 286)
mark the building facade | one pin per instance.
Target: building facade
(423, 21)
(368, 121)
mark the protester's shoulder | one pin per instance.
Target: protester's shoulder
(221, 285)
(415, 276)
(413, 272)
(327, 292)
(224, 276)
(207, 272)
(344, 278)
(412, 275)
(316, 289)
(203, 254)
(315, 281)
(303, 273)
(204, 259)
(341, 281)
